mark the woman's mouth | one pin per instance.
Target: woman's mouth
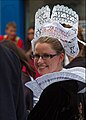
(42, 67)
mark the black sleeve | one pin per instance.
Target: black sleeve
(58, 101)
(11, 91)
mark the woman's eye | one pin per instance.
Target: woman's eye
(37, 56)
(46, 56)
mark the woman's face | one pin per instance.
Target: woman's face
(30, 34)
(46, 59)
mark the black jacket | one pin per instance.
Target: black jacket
(58, 101)
(11, 91)
(77, 62)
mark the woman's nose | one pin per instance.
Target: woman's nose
(40, 60)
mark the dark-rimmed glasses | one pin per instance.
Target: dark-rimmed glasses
(44, 56)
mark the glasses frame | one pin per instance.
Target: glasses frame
(44, 56)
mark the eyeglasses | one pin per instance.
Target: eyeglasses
(44, 56)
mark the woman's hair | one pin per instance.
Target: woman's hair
(21, 55)
(55, 44)
(27, 41)
(31, 27)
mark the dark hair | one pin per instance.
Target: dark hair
(27, 43)
(21, 55)
(31, 27)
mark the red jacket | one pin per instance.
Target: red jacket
(32, 64)
(17, 40)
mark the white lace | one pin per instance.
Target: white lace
(51, 26)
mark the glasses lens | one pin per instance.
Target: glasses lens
(36, 56)
(46, 56)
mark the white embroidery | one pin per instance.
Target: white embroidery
(38, 85)
(51, 26)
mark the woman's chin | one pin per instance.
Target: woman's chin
(42, 72)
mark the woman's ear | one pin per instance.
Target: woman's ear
(61, 57)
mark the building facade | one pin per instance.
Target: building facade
(23, 11)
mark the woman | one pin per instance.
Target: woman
(59, 88)
(48, 58)
(30, 36)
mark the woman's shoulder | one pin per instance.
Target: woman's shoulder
(77, 62)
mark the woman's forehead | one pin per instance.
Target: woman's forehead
(43, 47)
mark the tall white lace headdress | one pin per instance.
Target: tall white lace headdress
(50, 24)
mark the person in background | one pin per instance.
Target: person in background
(26, 76)
(28, 48)
(29, 38)
(12, 105)
(11, 29)
(79, 60)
